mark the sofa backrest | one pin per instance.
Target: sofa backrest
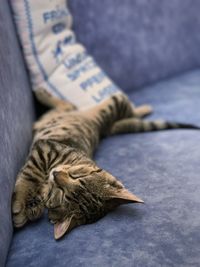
(140, 41)
(16, 117)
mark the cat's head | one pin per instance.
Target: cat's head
(82, 194)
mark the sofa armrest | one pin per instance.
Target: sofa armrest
(16, 117)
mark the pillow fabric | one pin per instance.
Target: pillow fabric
(56, 61)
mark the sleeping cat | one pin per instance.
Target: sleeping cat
(59, 173)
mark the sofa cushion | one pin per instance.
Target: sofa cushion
(163, 169)
(16, 117)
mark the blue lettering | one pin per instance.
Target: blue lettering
(105, 92)
(55, 14)
(83, 69)
(68, 40)
(58, 51)
(46, 17)
(75, 60)
(96, 79)
(86, 84)
(59, 27)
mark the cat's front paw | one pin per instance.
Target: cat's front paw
(27, 204)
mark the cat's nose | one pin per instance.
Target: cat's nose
(55, 174)
(59, 178)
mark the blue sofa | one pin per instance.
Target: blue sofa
(151, 49)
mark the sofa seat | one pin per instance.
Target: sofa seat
(163, 168)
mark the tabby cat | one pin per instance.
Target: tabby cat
(59, 173)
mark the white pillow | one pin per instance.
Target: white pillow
(55, 60)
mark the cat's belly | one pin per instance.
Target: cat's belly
(71, 129)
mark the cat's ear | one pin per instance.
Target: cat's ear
(64, 227)
(82, 170)
(123, 196)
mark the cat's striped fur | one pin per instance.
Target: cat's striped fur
(59, 173)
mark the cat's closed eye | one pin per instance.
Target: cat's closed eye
(74, 176)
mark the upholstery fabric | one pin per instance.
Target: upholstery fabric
(163, 169)
(16, 116)
(138, 42)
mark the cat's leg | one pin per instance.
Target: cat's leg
(29, 192)
(142, 111)
(114, 109)
(27, 202)
(134, 125)
(53, 102)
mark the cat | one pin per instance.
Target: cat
(59, 173)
